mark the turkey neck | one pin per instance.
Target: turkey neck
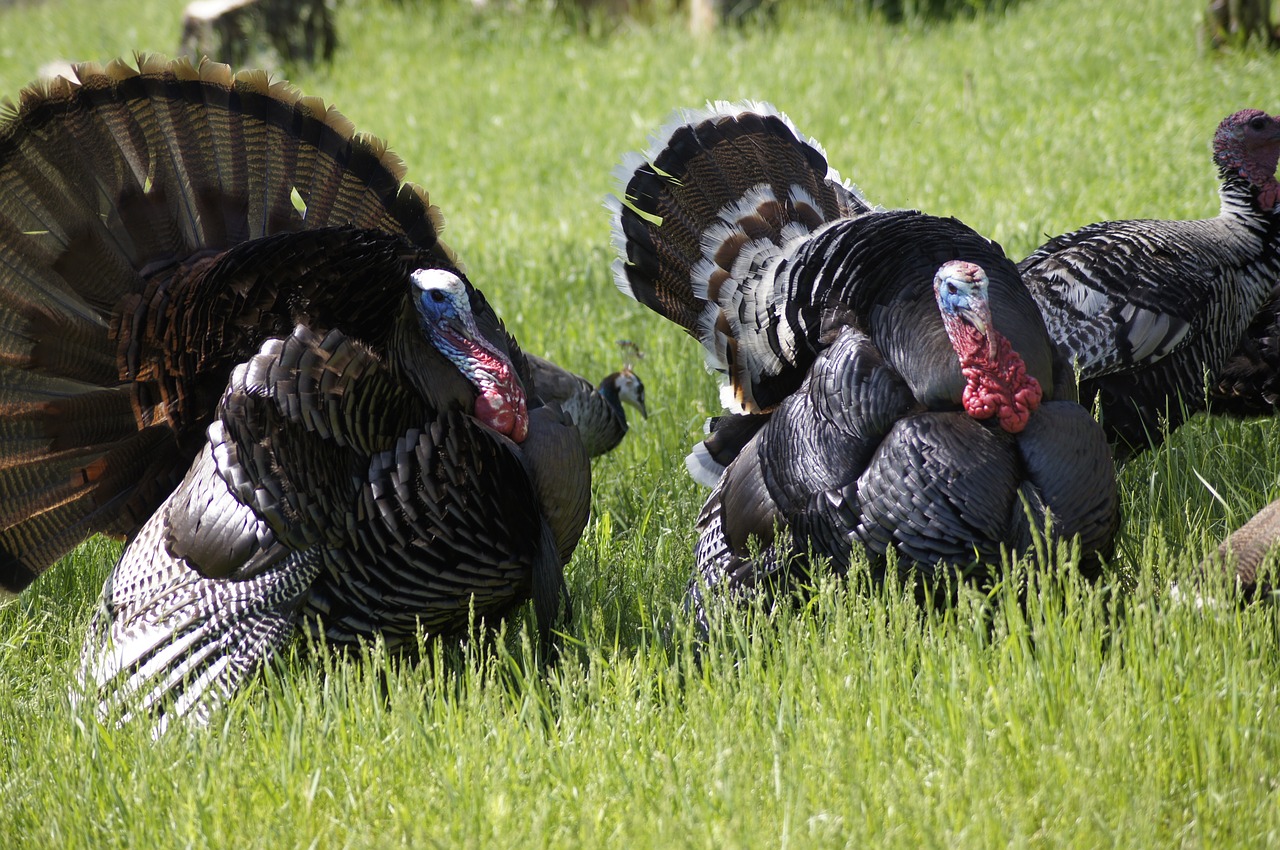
(996, 380)
(1247, 197)
(1247, 224)
(429, 360)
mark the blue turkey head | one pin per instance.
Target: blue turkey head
(443, 303)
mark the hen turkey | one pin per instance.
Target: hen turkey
(892, 385)
(1147, 309)
(231, 334)
(598, 412)
(1243, 555)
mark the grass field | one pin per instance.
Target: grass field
(1093, 717)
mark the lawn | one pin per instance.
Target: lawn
(1091, 716)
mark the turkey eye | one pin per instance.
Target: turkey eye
(437, 296)
(1258, 123)
(951, 289)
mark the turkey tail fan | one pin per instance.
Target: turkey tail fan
(707, 208)
(119, 192)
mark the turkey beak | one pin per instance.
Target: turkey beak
(634, 392)
(461, 334)
(978, 314)
(459, 329)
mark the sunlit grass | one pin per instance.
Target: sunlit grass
(1089, 717)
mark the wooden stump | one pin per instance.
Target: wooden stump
(1238, 21)
(704, 15)
(270, 32)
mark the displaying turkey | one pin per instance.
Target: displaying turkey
(598, 412)
(231, 334)
(1147, 308)
(891, 382)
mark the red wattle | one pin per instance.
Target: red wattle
(995, 387)
(1269, 195)
(500, 400)
(502, 413)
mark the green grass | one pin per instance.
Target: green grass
(1096, 717)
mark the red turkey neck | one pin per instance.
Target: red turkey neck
(500, 403)
(500, 400)
(996, 379)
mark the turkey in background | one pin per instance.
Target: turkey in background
(600, 411)
(230, 334)
(891, 384)
(1147, 309)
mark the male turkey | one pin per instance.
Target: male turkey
(892, 382)
(209, 283)
(1147, 308)
(598, 412)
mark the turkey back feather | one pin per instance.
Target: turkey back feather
(129, 286)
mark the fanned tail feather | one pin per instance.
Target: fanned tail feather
(706, 214)
(119, 193)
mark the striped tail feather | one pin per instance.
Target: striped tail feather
(125, 195)
(182, 159)
(703, 219)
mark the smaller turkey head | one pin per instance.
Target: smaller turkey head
(1248, 143)
(624, 387)
(444, 314)
(996, 379)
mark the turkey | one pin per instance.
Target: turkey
(1146, 309)
(891, 383)
(230, 334)
(598, 412)
(1244, 552)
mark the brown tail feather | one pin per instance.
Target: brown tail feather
(714, 184)
(144, 250)
(42, 422)
(67, 497)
